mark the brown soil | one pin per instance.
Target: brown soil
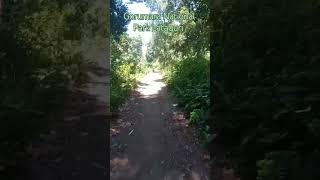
(151, 140)
(74, 147)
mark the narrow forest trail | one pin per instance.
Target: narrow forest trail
(150, 140)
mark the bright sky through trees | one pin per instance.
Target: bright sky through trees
(138, 8)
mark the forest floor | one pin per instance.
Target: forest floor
(73, 146)
(150, 139)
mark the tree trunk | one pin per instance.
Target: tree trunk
(98, 50)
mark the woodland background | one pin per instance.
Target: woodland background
(252, 88)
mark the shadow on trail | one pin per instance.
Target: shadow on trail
(151, 140)
(142, 84)
(159, 80)
(73, 146)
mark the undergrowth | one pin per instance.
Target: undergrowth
(188, 80)
(127, 68)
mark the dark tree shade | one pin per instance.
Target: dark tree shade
(118, 23)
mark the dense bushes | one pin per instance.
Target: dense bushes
(184, 60)
(127, 67)
(188, 80)
(265, 69)
(40, 57)
(127, 63)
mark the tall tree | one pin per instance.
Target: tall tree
(118, 22)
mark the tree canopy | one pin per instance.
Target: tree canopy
(118, 23)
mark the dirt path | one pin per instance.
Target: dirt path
(151, 140)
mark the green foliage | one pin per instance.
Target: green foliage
(118, 23)
(288, 165)
(184, 60)
(40, 59)
(127, 67)
(267, 170)
(264, 72)
(198, 117)
(189, 80)
(127, 64)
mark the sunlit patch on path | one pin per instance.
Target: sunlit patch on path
(150, 84)
(151, 140)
